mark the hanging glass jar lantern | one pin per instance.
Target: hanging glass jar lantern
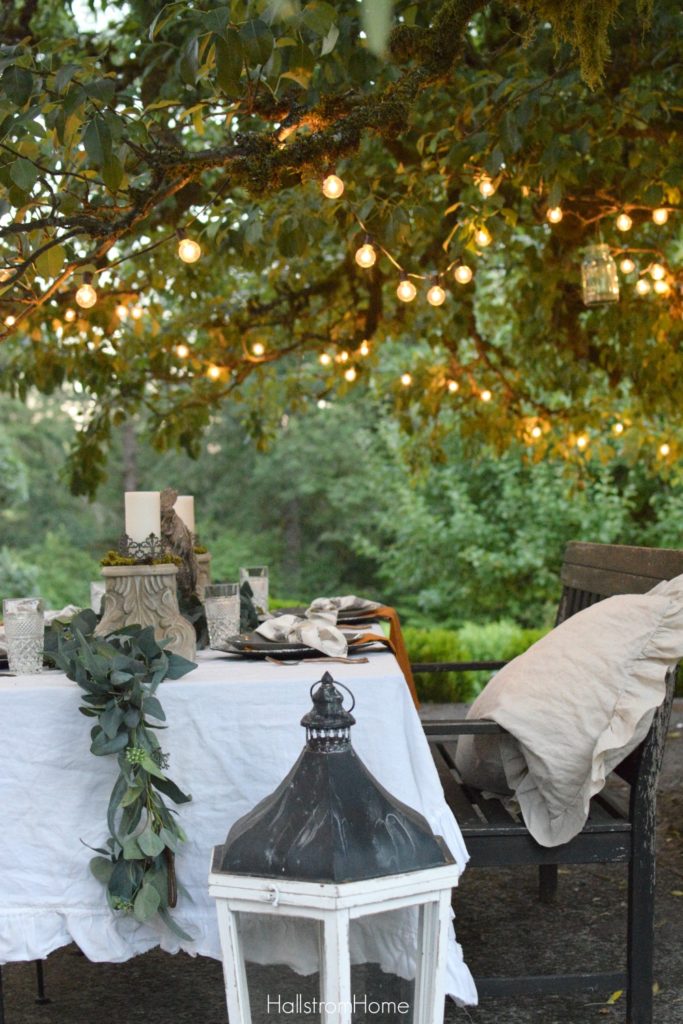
(599, 275)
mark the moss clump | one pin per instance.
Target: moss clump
(114, 558)
(200, 550)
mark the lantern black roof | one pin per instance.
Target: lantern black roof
(330, 820)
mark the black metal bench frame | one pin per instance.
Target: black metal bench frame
(616, 831)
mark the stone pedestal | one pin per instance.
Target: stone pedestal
(145, 595)
(203, 573)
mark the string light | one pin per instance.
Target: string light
(86, 296)
(536, 432)
(70, 315)
(136, 312)
(582, 441)
(436, 296)
(406, 290)
(351, 373)
(364, 348)
(322, 404)
(182, 351)
(660, 215)
(189, 251)
(366, 256)
(664, 449)
(10, 320)
(121, 312)
(661, 287)
(343, 356)
(642, 286)
(555, 214)
(406, 380)
(453, 386)
(627, 266)
(657, 272)
(325, 359)
(624, 222)
(213, 372)
(258, 348)
(482, 237)
(618, 428)
(486, 395)
(463, 274)
(333, 186)
(486, 186)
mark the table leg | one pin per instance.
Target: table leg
(432, 943)
(234, 972)
(335, 970)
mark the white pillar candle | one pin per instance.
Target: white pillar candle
(184, 507)
(143, 514)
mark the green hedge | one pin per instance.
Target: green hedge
(493, 641)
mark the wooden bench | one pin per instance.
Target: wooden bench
(617, 831)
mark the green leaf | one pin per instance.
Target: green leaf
(153, 708)
(111, 719)
(229, 62)
(376, 18)
(216, 20)
(115, 799)
(102, 745)
(64, 76)
(189, 61)
(171, 790)
(169, 839)
(24, 173)
(131, 850)
(146, 902)
(102, 89)
(17, 84)
(165, 15)
(150, 843)
(102, 868)
(112, 173)
(132, 794)
(97, 141)
(319, 17)
(171, 924)
(257, 40)
(179, 666)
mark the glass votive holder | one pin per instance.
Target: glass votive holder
(222, 608)
(24, 632)
(257, 578)
(97, 592)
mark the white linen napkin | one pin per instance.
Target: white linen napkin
(346, 603)
(316, 633)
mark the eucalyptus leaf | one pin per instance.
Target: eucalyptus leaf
(102, 868)
(151, 843)
(146, 902)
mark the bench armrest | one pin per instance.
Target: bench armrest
(461, 727)
(457, 666)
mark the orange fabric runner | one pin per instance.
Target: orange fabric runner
(398, 646)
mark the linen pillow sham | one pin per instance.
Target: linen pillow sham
(575, 704)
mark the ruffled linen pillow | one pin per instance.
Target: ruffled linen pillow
(575, 705)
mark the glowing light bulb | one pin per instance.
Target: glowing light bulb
(486, 395)
(618, 428)
(322, 404)
(665, 449)
(436, 296)
(366, 256)
(364, 348)
(351, 373)
(406, 290)
(86, 296)
(582, 441)
(333, 186)
(121, 311)
(182, 351)
(258, 348)
(136, 312)
(213, 372)
(462, 274)
(343, 356)
(657, 272)
(627, 266)
(406, 380)
(624, 222)
(189, 250)
(10, 320)
(536, 432)
(453, 386)
(660, 215)
(642, 286)
(555, 214)
(486, 186)
(69, 315)
(661, 287)
(325, 359)
(482, 237)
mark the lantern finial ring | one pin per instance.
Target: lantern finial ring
(336, 683)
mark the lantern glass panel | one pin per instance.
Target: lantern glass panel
(599, 276)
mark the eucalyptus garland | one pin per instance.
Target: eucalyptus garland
(119, 675)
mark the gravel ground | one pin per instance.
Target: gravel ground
(500, 924)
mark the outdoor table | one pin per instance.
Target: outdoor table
(233, 734)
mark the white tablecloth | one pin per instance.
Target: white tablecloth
(233, 734)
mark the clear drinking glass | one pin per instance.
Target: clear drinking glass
(257, 578)
(222, 607)
(24, 632)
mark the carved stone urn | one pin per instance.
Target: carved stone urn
(203, 573)
(145, 595)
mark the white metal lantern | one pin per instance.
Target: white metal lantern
(330, 844)
(599, 276)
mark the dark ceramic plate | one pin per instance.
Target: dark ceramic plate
(346, 617)
(252, 645)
